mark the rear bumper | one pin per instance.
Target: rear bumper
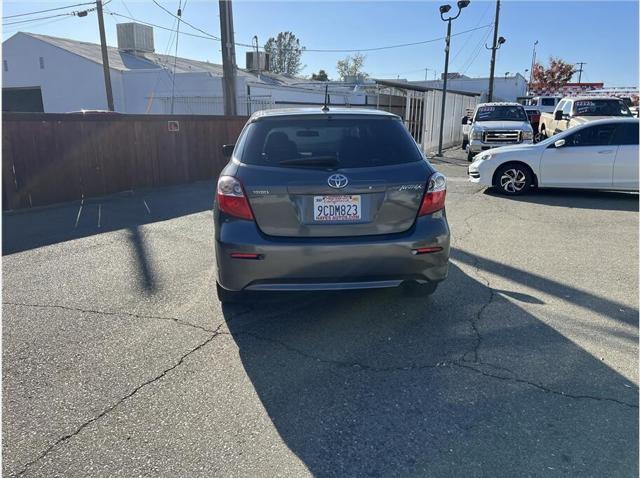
(331, 263)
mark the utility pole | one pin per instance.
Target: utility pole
(105, 57)
(228, 58)
(533, 64)
(581, 63)
(495, 47)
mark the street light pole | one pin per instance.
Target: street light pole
(533, 64)
(445, 9)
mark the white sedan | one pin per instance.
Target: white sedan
(601, 154)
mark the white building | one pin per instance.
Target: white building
(505, 88)
(54, 75)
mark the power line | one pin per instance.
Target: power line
(75, 13)
(209, 36)
(184, 21)
(48, 10)
(388, 47)
(161, 27)
(40, 18)
(36, 23)
(484, 14)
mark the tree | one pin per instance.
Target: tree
(320, 76)
(285, 53)
(351, 66)
(556, 75)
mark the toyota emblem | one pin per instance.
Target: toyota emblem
(337, 181)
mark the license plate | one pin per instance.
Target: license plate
(336, 208)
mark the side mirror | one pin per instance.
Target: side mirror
(557, 115)
(559, 143)
(465, 120)
(227, 150)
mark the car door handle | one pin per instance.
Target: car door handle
(605, 151)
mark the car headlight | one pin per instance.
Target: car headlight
(476, 134)
(485, 156)
(527, 135)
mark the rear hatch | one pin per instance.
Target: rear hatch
(331, 175)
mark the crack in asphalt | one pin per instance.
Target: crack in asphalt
(112, 313)
(109, 409)
(464, 364)
(515, 378)
(340, 363)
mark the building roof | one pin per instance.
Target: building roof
(402, 85)
(127, 61)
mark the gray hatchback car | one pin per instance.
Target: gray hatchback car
(328, 200)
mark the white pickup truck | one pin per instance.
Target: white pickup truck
(574, 111)
(497, 124)
(545, 104)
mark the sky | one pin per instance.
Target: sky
(604, 35)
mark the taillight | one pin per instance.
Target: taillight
(433, 199)
(231, 198)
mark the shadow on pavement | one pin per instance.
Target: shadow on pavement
(29, 229)
(576, 198)
(374, 383)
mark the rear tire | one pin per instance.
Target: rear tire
(416, 289)
(228, 296)
(542, 135)
(513, 179)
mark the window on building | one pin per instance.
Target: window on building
(5, 65)
(41, 63)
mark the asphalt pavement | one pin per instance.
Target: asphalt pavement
(119, 361)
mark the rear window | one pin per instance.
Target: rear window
(344, 142)
(548, 101)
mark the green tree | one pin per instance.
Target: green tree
(351, 66)
(285, 53)
(320, 76)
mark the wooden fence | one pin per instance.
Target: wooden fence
(50, 158)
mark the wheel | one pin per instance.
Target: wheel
(416, 289)
(228, 296)
(513, 179)
(470, 156)
(542, 135)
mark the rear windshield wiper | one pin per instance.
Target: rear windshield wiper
(311, 161)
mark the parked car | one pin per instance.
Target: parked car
(328, 199)
(601, 154)
(574, 111)
(497, 124)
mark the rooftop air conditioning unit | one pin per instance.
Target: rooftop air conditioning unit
(257, 61)
(135, 37)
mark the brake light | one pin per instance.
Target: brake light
(231, 198)
(433, 199)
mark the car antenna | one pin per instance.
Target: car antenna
(325, 108)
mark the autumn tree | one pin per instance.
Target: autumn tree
(351, 66)
(285, 53)
(556, 75)
(320, 76)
